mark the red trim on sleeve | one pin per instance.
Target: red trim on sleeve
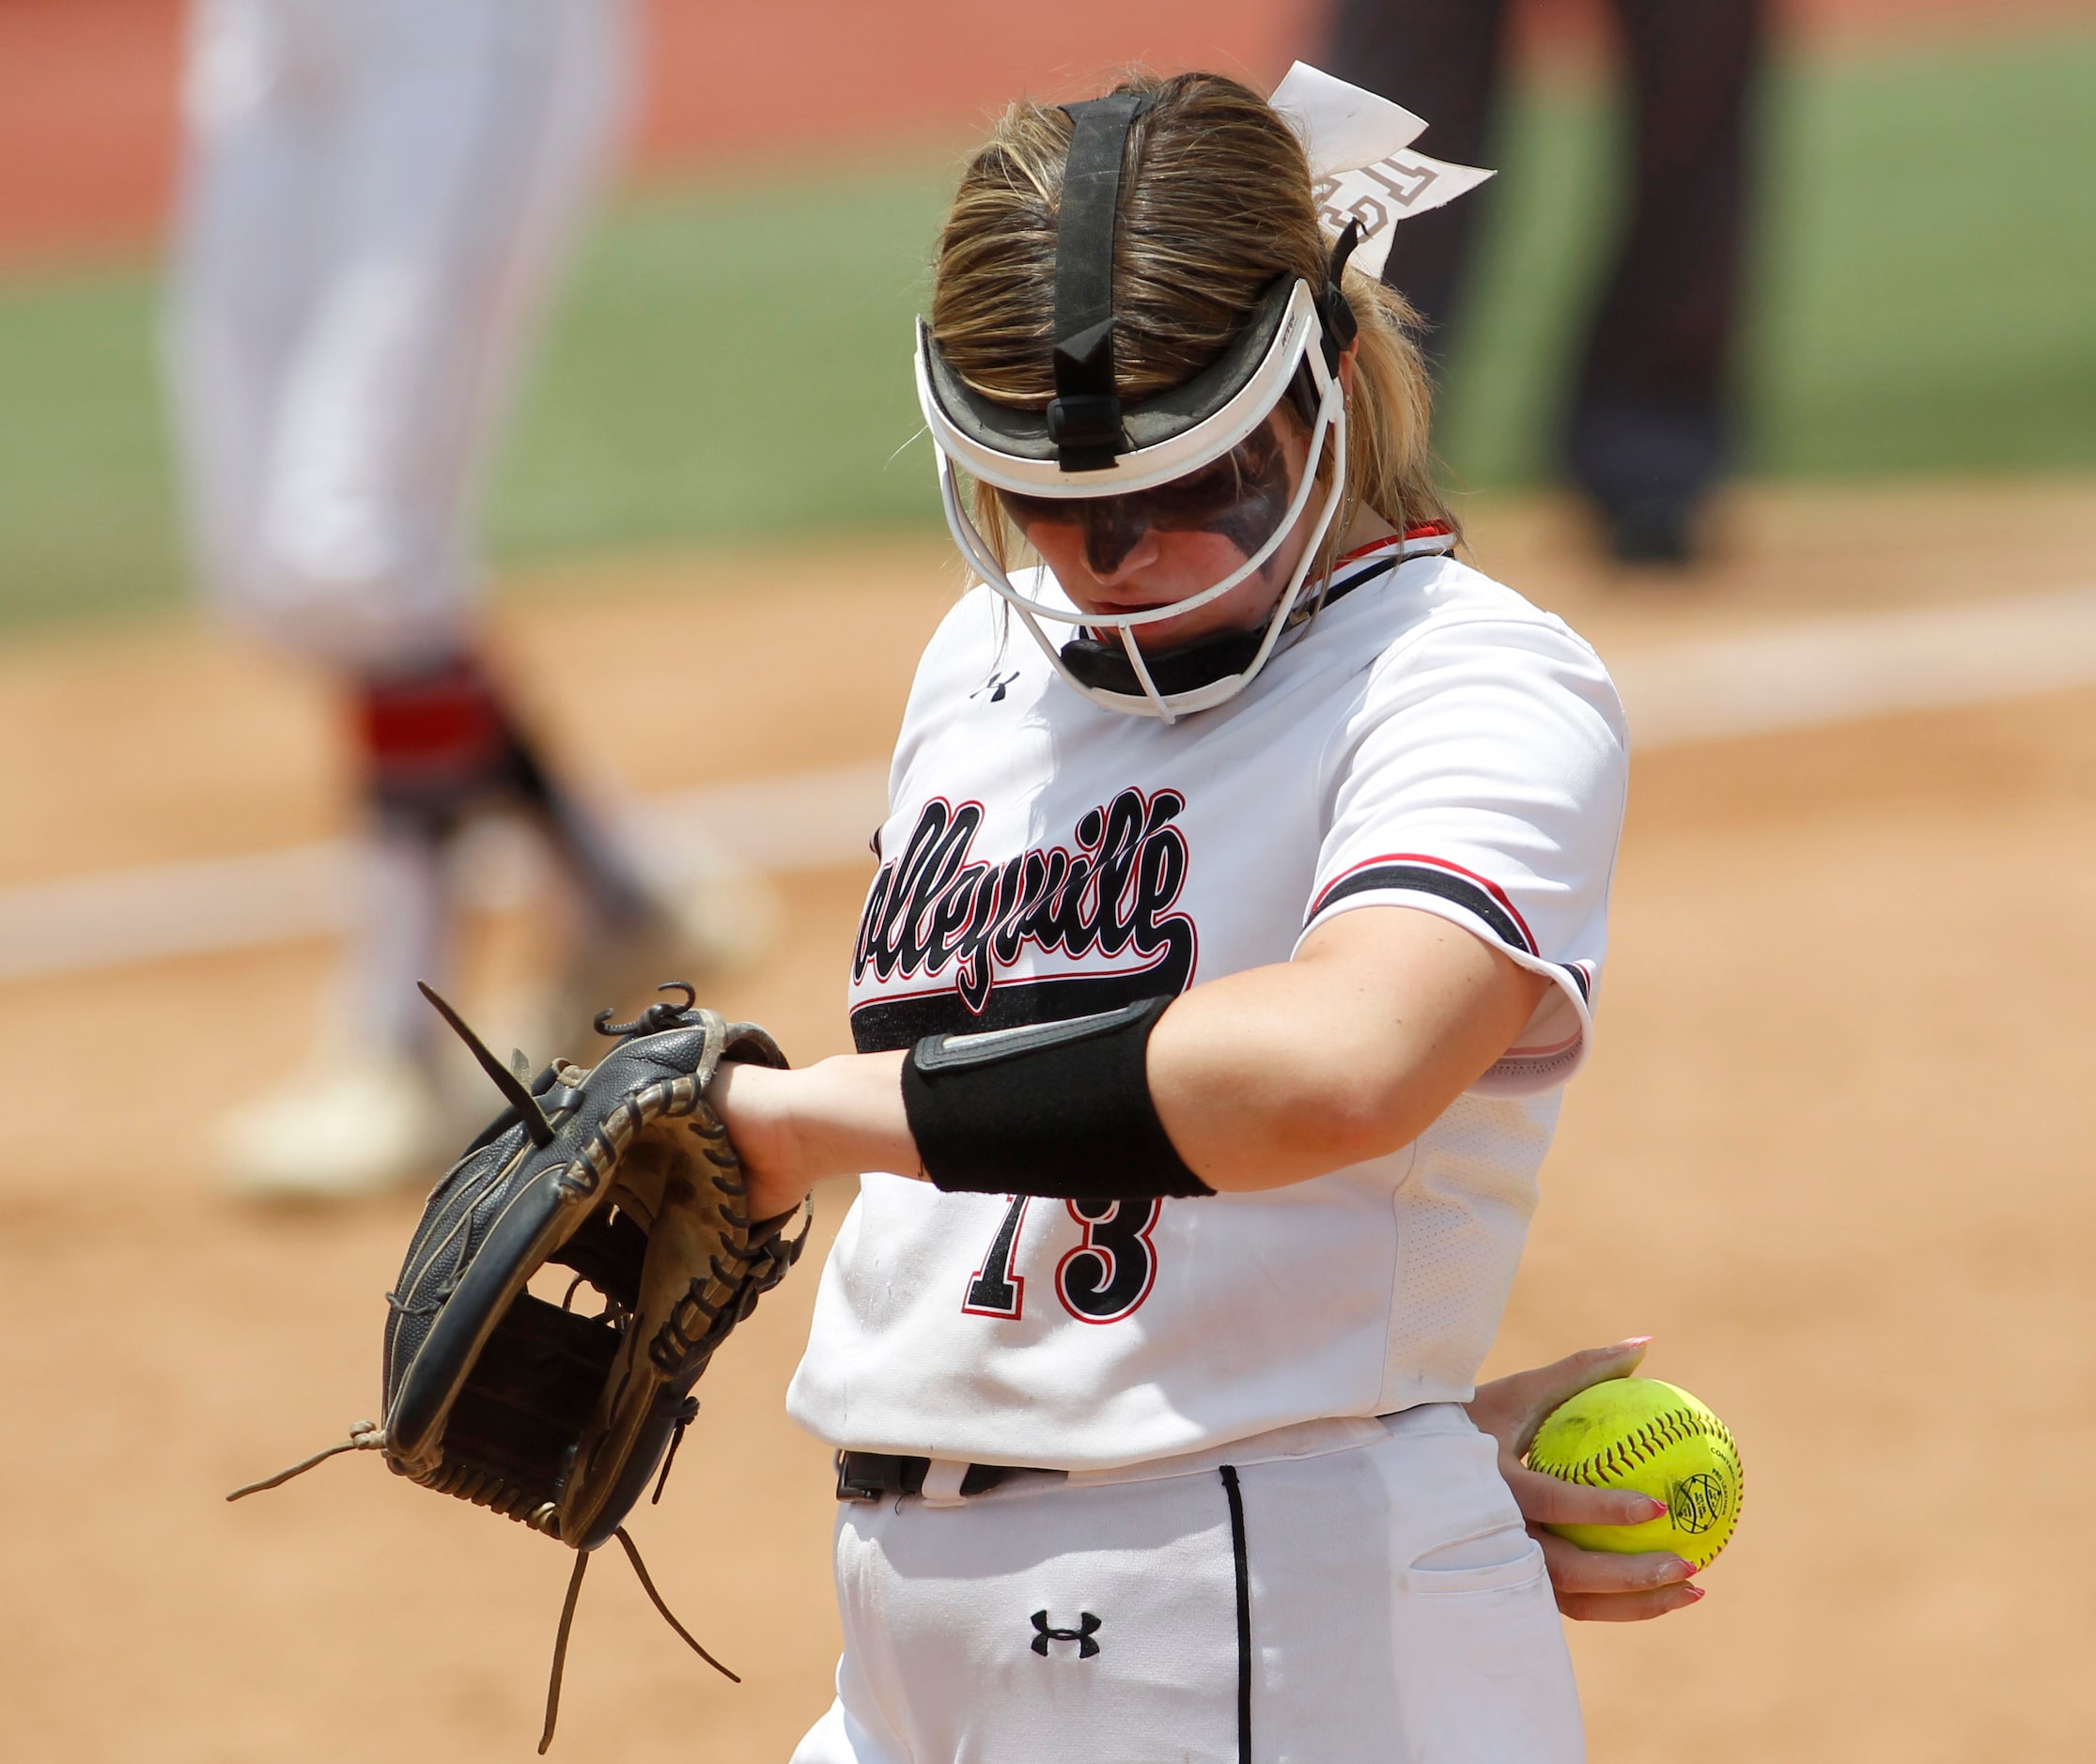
(1486, 883)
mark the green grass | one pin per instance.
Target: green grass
(732, 363)
(87, 516)
(1924, 286)
(1929, 292)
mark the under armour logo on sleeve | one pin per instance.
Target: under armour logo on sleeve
(1087, 1627)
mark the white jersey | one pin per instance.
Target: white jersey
(1432, 741)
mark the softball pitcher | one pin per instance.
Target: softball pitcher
(1240, 910)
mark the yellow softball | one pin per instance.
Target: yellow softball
(1644, 1435)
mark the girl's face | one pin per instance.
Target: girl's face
(1119, 554)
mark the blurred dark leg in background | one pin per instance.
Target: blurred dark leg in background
(1439, 58)
(1650, 426)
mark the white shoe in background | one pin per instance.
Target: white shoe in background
(355, 1126)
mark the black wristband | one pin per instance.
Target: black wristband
(1060, 1109)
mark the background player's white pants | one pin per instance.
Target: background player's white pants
(378, 196)
(1399, 1612)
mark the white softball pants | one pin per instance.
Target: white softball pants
(379, 194)
(1396, 1611)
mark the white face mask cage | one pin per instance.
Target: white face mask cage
(1298, 344)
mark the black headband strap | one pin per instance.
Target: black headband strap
(1084, 419)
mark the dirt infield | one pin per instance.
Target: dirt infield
(1831, 1151)
(88, 87)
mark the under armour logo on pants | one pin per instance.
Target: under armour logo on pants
(1087, 1626)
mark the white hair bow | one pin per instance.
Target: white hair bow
(1356, 142)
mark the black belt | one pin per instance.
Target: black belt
(873, 1476)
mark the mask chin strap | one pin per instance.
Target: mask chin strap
(1184, 669)
(1084, 418)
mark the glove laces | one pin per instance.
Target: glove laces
(370, 1436)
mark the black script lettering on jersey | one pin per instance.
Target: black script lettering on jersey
(937, 909)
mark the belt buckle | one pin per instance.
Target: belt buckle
(873, 1476)
(867, 1475)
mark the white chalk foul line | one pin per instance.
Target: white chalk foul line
(1800, 675)
(800, 822)
(1864, 664)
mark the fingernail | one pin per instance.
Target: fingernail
(1636, 1342)
(1654, 1509)
(1688, 1569)
(1696, 1594)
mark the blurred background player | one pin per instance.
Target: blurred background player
(378, 197)
(1648, 425)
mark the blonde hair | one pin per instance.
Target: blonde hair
(1216, 203)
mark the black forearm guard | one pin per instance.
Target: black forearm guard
(1061, 1110)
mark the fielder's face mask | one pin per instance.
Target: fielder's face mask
(1202, 456)
(1191, 458)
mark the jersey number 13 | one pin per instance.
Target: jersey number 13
(1104, 1278)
